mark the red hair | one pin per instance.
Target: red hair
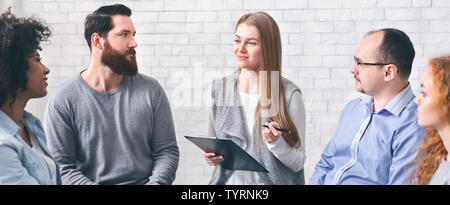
(432, 150)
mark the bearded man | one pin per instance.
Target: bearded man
(110, 124)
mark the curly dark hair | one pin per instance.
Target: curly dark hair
(19, 40)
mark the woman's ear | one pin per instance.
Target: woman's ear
(390, 72)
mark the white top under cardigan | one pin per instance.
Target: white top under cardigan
(294, 158)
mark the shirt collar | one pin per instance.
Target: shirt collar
(7, 124)
(397, 104)
(400, 101)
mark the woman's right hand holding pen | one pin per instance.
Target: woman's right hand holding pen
(270, 133)
(212, 159)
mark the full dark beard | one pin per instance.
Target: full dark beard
(118, 62)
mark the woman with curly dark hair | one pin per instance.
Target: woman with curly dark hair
(25, 158)
(434, 113)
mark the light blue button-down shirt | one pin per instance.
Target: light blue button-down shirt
(19, 164)
(372, 147)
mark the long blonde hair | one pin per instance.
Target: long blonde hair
(432, 150)
(271, 61)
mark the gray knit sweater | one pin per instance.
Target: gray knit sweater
(125, 136)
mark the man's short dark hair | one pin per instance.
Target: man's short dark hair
(396, 48)
(100, 20)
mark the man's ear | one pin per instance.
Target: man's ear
(97, 41)
(390, 72)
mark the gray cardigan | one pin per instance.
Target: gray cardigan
(227, 120)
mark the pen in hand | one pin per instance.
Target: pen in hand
(279, 129)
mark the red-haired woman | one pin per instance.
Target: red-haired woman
(434, 114)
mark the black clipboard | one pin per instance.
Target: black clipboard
(235, 158)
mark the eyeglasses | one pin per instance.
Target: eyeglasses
(359, 63)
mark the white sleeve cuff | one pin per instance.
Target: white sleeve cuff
(293, 158)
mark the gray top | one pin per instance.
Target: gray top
(125, 136)
(442, 174)
(227, 121)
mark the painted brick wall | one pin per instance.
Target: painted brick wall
(185, 44)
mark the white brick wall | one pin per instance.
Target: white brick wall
(195, 36)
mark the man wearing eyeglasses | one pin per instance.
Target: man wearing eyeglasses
(377, 135)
